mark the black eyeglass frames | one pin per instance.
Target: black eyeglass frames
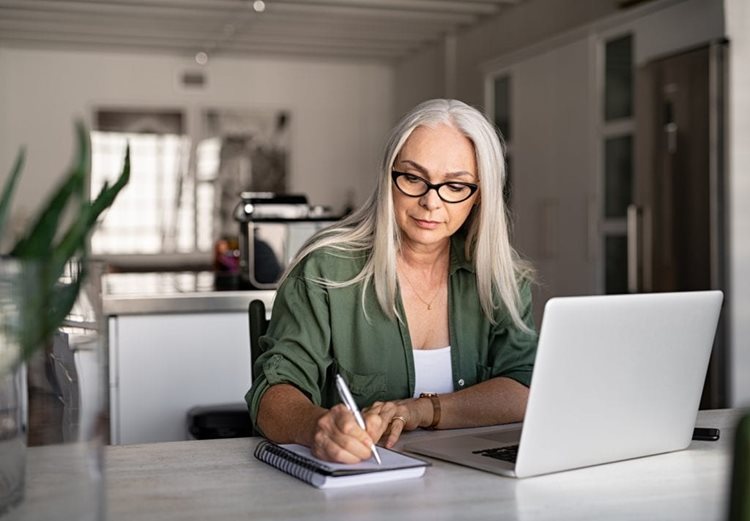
(414, 186)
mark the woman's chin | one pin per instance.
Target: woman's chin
(426, 237)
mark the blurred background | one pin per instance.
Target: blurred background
(627, 125)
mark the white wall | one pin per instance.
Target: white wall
(340, 111)
(520, 26)
(421, 76)
(681, 25)
(738, 31)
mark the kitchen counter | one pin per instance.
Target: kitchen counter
(174, 337)
(181, 292)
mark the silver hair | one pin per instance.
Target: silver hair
(372, 229)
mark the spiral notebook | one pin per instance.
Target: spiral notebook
(297, 461)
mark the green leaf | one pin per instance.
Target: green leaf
(44, 301)
(37, 242)
(76, 237)
(75, 240)
(9, 188)
(107, 196)
(38, 328)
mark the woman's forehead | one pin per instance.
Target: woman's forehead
(438, 148)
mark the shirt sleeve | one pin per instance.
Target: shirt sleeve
(296, 347)
(513, 350)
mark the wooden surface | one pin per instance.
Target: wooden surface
(221, 480)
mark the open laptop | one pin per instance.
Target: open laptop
(616, 377)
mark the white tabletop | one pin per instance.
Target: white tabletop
(221, 480)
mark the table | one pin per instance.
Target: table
(221, 480)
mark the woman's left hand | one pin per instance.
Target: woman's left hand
(397, 417)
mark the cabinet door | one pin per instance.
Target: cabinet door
(553, 180)
(162, 365)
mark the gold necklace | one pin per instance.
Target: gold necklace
(428, 304)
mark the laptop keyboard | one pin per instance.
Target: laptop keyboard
(509, 453)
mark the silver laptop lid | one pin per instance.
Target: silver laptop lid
(616, 377)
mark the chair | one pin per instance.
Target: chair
(258, 323)
(231, 420)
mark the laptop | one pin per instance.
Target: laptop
(616, 377)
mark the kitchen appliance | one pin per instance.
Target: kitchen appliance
(273, 227)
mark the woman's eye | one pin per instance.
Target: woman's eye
(456, 187)
(413, 178)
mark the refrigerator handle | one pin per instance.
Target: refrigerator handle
(634, 244)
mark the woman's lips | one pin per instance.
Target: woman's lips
(427, 225)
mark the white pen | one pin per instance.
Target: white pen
(348, 400)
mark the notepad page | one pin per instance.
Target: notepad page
(391, 460)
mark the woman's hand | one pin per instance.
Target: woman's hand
(338, 438)
(397, 417)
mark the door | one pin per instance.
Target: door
(675, 226)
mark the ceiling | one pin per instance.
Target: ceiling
(383, 30)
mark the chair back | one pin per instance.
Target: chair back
(256, 314)
(258, 327)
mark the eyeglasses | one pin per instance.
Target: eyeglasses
(450, 192)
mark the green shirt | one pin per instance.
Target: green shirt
(316, 331)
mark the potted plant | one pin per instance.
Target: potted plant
(34, 298)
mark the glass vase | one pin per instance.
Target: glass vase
(62, 404)
(12, 390)
(12, 436)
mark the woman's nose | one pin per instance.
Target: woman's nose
(431, 200)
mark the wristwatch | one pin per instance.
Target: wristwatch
(435, 408)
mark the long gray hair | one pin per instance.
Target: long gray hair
(372, 229)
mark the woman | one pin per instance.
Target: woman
(417, 299)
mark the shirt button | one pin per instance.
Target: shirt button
(461, 382)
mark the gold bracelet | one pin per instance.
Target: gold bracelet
(435, 408)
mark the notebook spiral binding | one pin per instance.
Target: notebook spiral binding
(288, 462)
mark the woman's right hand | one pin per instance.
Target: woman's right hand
(338, 438)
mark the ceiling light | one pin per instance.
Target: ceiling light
(201, 58)
(259, 6)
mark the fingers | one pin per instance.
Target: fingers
(339, 438)
(398, 423)
(395, 417)
(376, 426)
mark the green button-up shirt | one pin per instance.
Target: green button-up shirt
(316, 331)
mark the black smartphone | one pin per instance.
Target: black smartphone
(705, 434)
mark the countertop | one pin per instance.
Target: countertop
(173, 292)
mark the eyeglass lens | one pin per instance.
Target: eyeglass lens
(415, 186)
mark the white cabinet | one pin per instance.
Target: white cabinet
(161, 365)
(553, 177)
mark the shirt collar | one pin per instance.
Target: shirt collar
(458, 253)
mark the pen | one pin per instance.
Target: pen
(348, 400)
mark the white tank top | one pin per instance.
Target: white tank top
(432, 371)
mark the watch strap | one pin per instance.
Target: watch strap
(434, 398)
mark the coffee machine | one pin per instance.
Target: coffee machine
(273, 227)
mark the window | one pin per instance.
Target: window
(152, 214)
(616, 138)
(501, 89)
(184, 184)
(618, 81)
